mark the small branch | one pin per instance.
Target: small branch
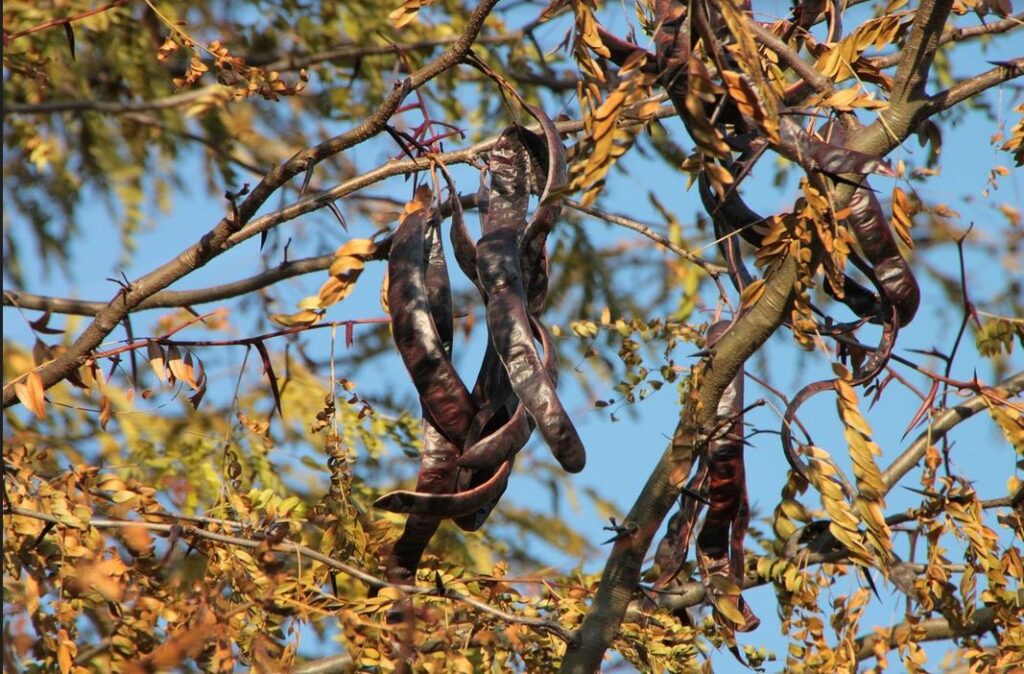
(973, 86)
(9, 37)
(935, 629)
(960, 34)
(172, 298)
(290, 547)
(113, 107)
(711, 268)
(818, 82)
(333, 664)
(942, 424)
(919, 51)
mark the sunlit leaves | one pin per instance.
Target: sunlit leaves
(349, 261)
(607, 137)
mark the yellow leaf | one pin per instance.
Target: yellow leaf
(357, 248)
(752, 293)
(32, 394)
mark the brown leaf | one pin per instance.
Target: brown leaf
(32, 394)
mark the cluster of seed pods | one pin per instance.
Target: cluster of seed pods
(892, 303)
(471, 436)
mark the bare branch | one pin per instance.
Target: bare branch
(958, 35)
(333, 664)
(942, 424)
(961, 91)
(114, 107)
(172, 298)
(218, 239)
(935, 629)
(818, 82)
(629, 223)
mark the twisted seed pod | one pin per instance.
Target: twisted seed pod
(447, 504)
(437, 475)
(492, 449)
(445, 399)
(500, 272)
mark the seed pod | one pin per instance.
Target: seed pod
(720, 542)
(446, 505)
(500, 272)
(445, 398)
(494, 448)
(437, 475)
(439, 287)
(549, 155)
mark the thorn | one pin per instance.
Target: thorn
(337, 213)
(306, 179)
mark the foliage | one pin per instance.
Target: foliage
(211, 491)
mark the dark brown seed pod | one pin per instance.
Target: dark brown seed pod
(533, 250)
(720, 542)
(498, 265)
(445, 398)
(447, 505)
(439, 287)
(494, 448)
(895, 280)
(438, 473)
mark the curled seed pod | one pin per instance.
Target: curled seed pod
(498, 265)
(447, 505)
(895, 281)
(494, 448)
(549, 155)
(445, 398)
(462, 241)
(438, 473)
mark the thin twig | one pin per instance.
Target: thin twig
(291, 547)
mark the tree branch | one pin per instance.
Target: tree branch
(961, 91)
(172, 298)
(290, 547)
(219, 238)
(114, 107)
(919, 51)
(818, 82)
(935, 629)
(958, 35)
(943, 423)
(622, 570)
(711, 268)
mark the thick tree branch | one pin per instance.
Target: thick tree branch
(943, 423)
(961, 91)
(218, 239)
(919, 51)
(172, 298)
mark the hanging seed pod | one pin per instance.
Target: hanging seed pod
(500, 271)
(445, 398)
